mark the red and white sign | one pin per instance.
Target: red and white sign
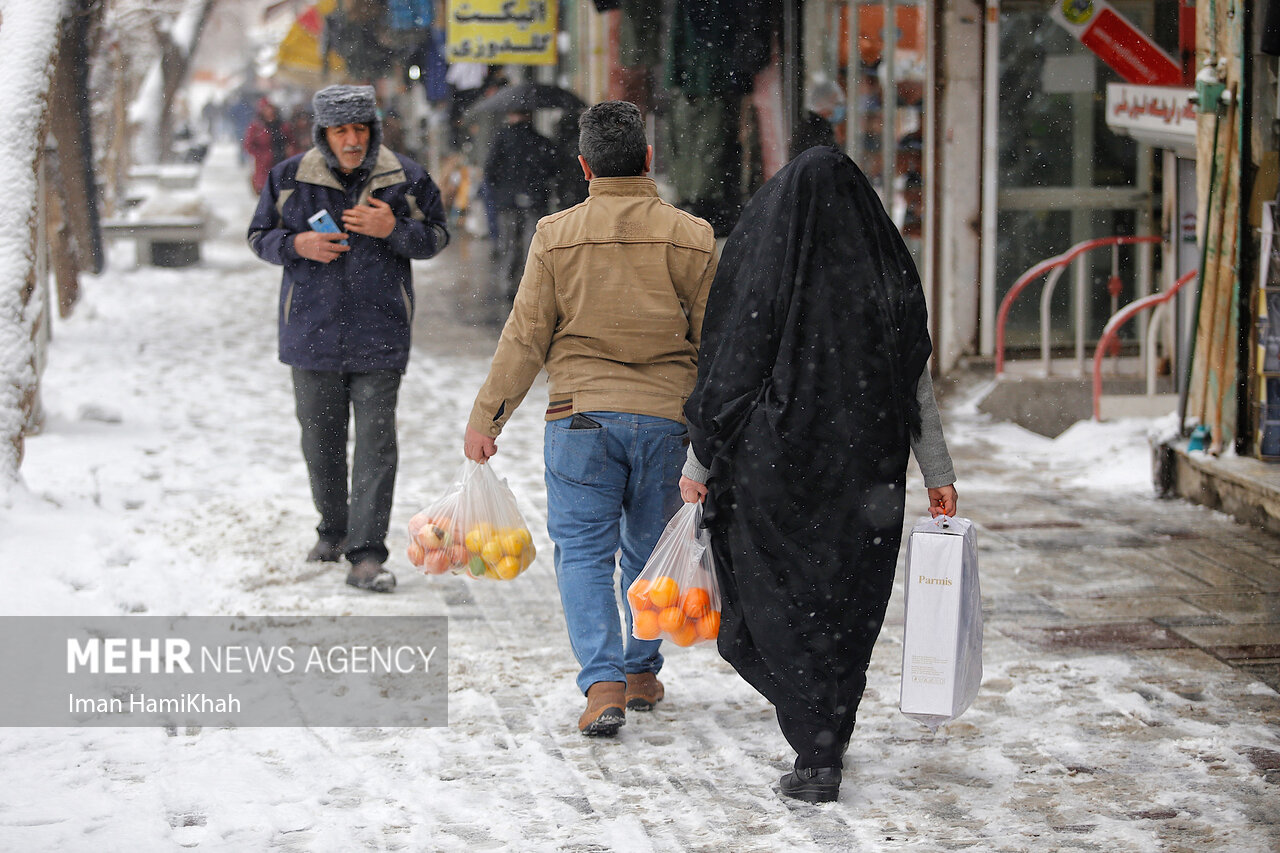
(1117, 42)
(1162, 116)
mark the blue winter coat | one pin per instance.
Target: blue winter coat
(352, 314)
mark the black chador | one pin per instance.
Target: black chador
(814, 339)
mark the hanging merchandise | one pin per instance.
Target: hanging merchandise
(409, 14)
(1267, 341)
(355, 37)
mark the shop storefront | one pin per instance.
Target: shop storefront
(987, 130)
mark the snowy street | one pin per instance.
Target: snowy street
(168, 480)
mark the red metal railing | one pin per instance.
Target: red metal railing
(1112, 328)
(1057, 261)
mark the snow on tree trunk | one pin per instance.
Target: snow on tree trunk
(28, 42)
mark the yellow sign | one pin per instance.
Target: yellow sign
(514, 32)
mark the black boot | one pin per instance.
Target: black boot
(325, 551)
(812, 784)
(369, 574)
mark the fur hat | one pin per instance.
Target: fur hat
(334, 106)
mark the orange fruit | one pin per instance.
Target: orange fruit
(437, 562)
(507, 568)
(695, 602)
(430, 536)
(511, 542)
(416, 523)
(645, 625)
(417, 554)
(709, 626)
(664, 592)
(492, 552)
(686, 636)
(671, 620)
(527, 555)
(638, 595)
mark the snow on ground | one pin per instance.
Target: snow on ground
(168, 481)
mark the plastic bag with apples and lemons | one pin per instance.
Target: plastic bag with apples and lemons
(676, 596)
(474, 529)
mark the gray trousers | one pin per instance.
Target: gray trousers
(515, 235)
(325, 402)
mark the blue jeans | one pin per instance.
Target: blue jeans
(610, 488)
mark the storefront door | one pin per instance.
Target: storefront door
(1061, 175)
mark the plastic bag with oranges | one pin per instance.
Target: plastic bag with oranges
(676, 596)
(474, 529)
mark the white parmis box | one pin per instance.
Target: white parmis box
(942, 637)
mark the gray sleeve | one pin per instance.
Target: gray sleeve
(693, 469)
(930, 449)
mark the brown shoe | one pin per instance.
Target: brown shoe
(605, 713)
(644, 690)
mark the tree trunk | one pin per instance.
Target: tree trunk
(23, 102)
(62, 253)
(154, 111)
(69, 120)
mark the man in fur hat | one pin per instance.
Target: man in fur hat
(346, 306)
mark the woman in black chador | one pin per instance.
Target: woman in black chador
(813, 384)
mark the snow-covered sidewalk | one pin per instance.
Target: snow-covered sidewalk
(168, 480)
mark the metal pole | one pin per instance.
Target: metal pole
(990, 164)
(889, 105)
(853, 99)
(1081, 308)
(792, 66)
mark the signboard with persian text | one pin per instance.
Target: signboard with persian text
(1163, 116)
(494, 32)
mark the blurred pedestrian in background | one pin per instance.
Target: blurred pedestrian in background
(521, 171)
(267, 140)
(570, 187)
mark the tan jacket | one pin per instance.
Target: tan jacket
(611, 303)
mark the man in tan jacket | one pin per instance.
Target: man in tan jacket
(611, 304)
